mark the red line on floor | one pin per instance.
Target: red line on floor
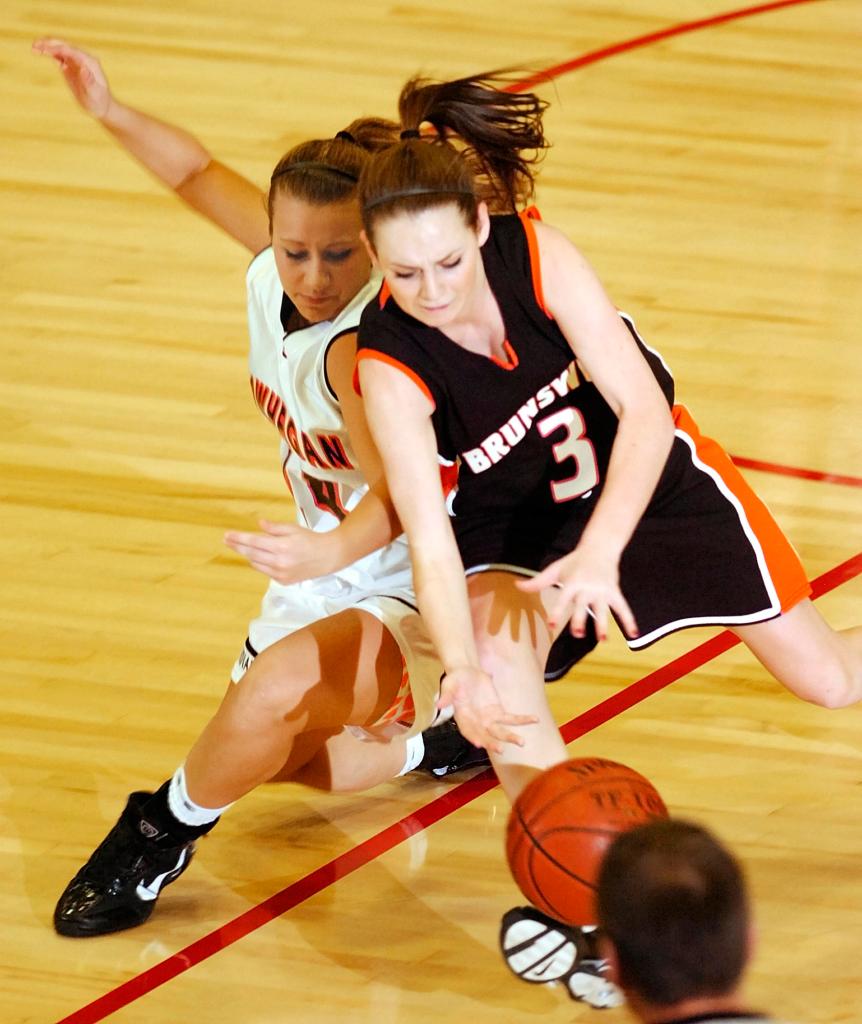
(375, 846)
(649, 38)
(805, 474)
(689, 661)
(652, 37)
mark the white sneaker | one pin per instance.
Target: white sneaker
(588, 985)
(543, 951)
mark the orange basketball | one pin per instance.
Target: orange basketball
(562, 824)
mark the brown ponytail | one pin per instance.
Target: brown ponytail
(487, 144)
(323, 171)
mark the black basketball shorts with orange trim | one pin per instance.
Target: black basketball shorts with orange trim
(707, 551)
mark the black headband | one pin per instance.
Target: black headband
(410, 133)
(417, 191)
(312, 165)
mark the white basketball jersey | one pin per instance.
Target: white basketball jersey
(289, 384)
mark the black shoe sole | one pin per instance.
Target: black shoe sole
(88, 928)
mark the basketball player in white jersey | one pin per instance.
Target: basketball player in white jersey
(338, 632)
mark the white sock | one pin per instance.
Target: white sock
(415, 753)
(182, 806)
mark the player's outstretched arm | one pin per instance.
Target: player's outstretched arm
(586, 581)
(289, 553)
(399, 420)
(175, 157)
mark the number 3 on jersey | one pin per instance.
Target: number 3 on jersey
(575, 445)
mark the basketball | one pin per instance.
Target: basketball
(562, 824)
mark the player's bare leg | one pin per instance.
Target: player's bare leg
(513, 642)
(296, 696)
(347, 764)
(292, 703)
(816, 662)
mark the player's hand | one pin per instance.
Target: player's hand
(83, 74)
(285, 552)
(480, 716)
(586, 584)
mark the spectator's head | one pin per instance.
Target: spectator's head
(673, 906)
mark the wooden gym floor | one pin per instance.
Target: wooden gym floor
(712, 176)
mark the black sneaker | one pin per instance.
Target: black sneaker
(118, 886)
(543, 951)
(447, 752)
(567, 650)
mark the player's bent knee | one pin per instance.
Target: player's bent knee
(265, 694)
(834, 697)
(835, 687)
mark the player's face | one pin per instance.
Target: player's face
(321, 261)
(433, 264)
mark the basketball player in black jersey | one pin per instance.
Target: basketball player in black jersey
(585, 490)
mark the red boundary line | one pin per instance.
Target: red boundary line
(466, 792)
(653, 37)
(593, 57)
(688, 662)
(375, 846)
(805, 474)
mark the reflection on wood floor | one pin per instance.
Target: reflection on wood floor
(712, 179)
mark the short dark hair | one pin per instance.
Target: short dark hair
(673, 901)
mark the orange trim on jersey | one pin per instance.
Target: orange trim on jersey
(511, 360)
(370, 353)
(782, 562)
(449, 478)
(383, 294)
(527, 217)
(402, 709)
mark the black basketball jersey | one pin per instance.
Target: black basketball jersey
(532, 436)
